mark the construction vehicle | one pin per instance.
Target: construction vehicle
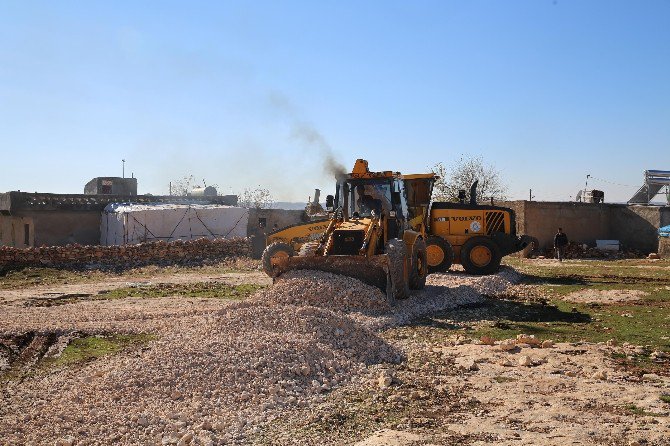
(474, 235)
(376, 233)
(358, 242)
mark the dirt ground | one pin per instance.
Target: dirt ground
(454, 367)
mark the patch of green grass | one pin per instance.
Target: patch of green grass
(88, 348)
(32, 276)
(645, 321)
(568, 322)
(38, 276)
(200, 289)
(619, 270)
(636, 410)
(665, 397)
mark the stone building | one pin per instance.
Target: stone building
(61, 219)
(111, 186)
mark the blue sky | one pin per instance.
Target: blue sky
(547, 91)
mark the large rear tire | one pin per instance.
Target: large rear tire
(272, 253)
(440, 254)
(418, 266)
(532, 248)
(480, 255)
(398, 281)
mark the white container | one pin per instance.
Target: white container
(607, 245)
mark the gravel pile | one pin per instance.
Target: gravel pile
(214, 376)
(446, 292)
(326, 290)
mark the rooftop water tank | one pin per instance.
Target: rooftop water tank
(208, 191)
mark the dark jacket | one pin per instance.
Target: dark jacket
(560, 239)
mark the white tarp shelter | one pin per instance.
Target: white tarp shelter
(124, 223)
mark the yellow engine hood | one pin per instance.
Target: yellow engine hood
(360, 224)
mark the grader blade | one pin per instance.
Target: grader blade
(373, 271)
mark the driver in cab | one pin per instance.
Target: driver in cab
(367, 203)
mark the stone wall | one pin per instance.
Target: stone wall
(126, 256)
(636, 226)
(61, 227)
(13, 231)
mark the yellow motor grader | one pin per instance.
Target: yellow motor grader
(384, 231)
(376, 233)
(475, 235)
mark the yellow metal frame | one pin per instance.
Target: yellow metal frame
(299, 234)
(457, 226)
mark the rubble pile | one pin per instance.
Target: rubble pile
(579, 251)
(210, 377)
(126, 255)
(216, 376)
(317, 288)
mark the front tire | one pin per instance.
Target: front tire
(398, 284)
(480, 255)
(418, 266)
(440, 254)
(272, 253)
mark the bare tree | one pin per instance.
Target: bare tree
(184, 186)
(462, 173)
(258, 198)
(181, 187)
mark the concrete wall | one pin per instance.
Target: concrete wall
(582, 222)
(636, 226)
(519, 208)
(52, 228)
(664, 247)
(665, 215)
(13, 231)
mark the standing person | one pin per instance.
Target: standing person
(560, 242)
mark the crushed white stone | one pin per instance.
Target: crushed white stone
(214, 374)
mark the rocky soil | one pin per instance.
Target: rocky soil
(233, 373)
(606, 296)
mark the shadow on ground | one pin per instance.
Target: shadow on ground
(504, 311)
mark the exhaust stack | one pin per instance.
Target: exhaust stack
(473, 193)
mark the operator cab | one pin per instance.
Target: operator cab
(369, 199)
(364, 194)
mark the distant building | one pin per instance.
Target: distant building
(124, 223)
(36, 219)
(111, 186)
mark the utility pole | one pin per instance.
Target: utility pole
(530, 194)
(123, 168)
